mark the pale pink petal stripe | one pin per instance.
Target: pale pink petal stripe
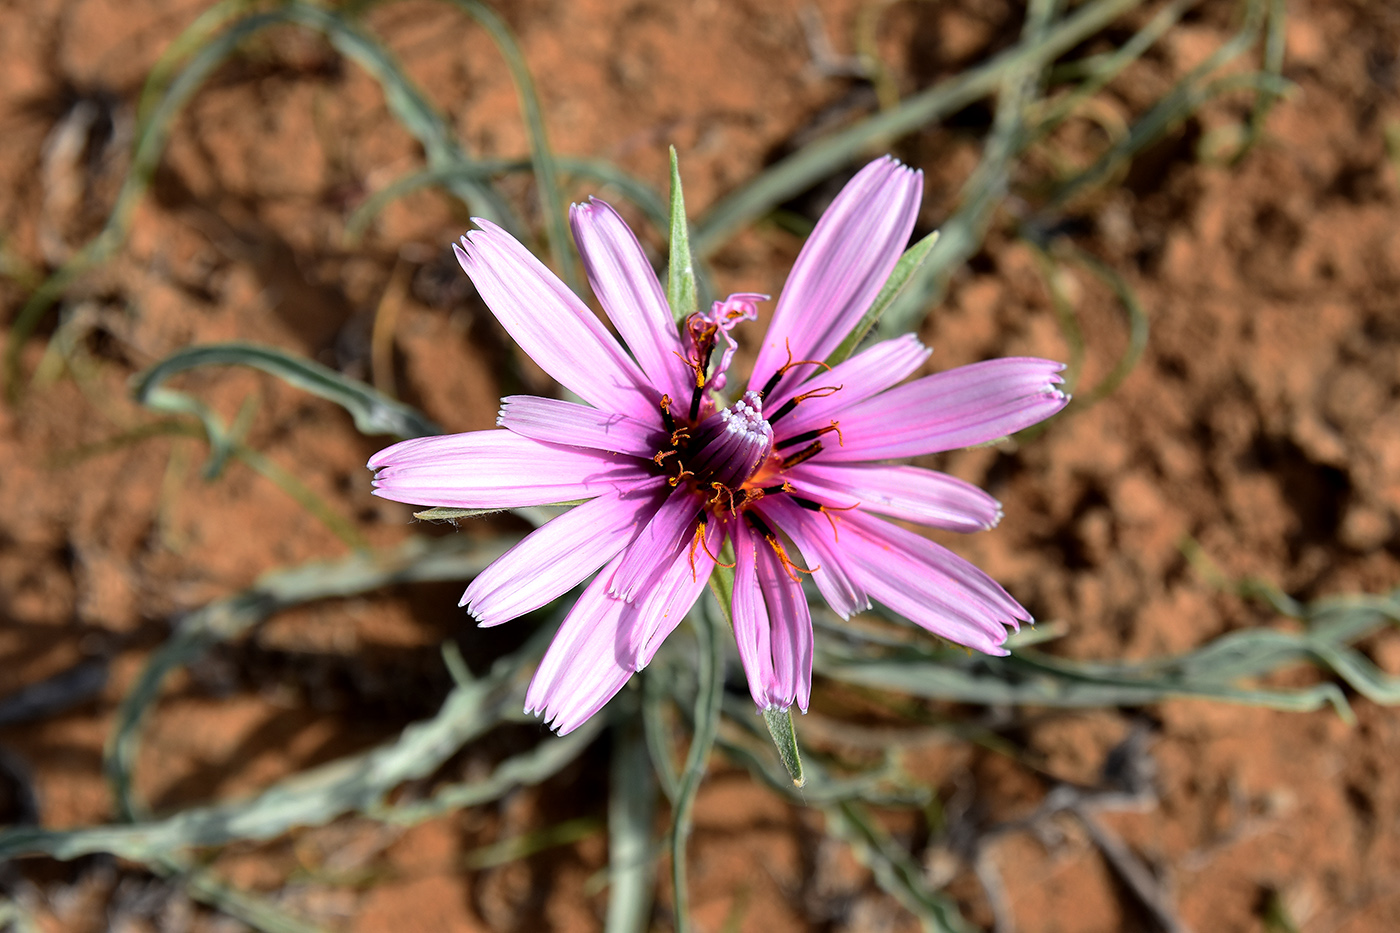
(559, 422)
(928, 584)
(821, 550)
(842, 267)
(498, 470)
(958, 408)
(671, 594)
(626, 285)
(868, 373)
(791, 633)
(604, 640)
(560, 554)
(750, 614)
(551, 324)
(583, 668)
(670, 530)
(911, 493)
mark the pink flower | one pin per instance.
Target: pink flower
(786, 473)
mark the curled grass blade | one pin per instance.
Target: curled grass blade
(526, 769)
(374, 413)
(418, 560)
(986, 188)
(404, 100)
(291, 484)
(635, 190)
(541, 155)
(1185, 98)
(195, 36)
(1138, 329)
(1220, 670)
(1098, 71)
(524, 846)
(807, 166)
(895, 870)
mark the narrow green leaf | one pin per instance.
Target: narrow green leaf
(895, 870)
(541, 155)
(374, 412)
(811, 163)
(454, 558)
(161, 105)
(444, 513)
(596, 170)
(680, 278)
(631, 813)
(708, 700)
(779, 722)
(354, 784)
(908, 264)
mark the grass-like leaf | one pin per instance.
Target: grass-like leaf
(404, 100)
(894, 869)
(680, 272)
(632, 188)
(418, 560)
(374, 413)
(807, 166)
(779, 723)
(709, 630)
(541, 154)
(907, 266)
(631, 812)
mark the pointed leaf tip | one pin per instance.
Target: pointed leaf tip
(779, 722)
(680, 277)
(904, 270)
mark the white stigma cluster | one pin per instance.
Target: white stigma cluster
(734, 444)
(746, 417)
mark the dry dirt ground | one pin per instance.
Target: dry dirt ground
(1263, 423)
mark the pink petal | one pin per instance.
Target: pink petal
(670, 531)
(583, 668)
(671, 594)
(817, 541)
(868, 373)
(958, 408)
(750, 614)
(928, 584)
(791, 636)
(604, 639)
(626, 285)
(548, 419)
(842, 267)
(560, 554)
(498, 470)
(551, 324)
(911, 493)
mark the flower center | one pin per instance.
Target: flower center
(732, 444)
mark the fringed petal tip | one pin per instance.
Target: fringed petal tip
(554, 722)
